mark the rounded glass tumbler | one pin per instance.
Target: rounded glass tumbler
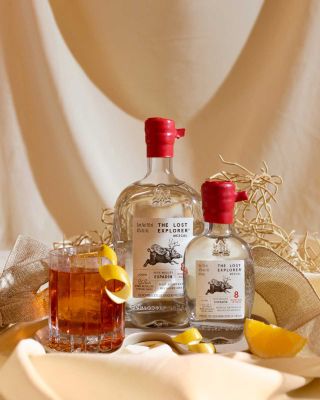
(82, 317)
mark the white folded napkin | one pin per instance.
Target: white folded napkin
(151, 373)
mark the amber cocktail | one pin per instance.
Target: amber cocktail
(82, 317)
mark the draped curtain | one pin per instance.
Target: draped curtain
(78, 77)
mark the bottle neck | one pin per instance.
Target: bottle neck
(222, 230)
(160, 165)
(160, 170)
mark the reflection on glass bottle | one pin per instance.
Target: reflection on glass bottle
(218, 269)
(155, 218)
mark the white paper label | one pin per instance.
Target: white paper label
(220, 288)
(158, 249)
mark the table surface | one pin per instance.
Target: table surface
(9, 337)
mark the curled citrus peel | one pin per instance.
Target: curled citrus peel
(113, 271)
(192, 338)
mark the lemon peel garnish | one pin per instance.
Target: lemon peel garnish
(108, 253)
(114, 272)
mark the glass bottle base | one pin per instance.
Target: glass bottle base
(220, 332)
(151, 313)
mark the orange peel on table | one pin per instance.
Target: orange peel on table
(271, 341)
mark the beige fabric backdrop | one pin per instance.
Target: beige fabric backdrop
(78, 78)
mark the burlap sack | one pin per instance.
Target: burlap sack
(24, 273)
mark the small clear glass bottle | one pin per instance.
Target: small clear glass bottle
(155, 218)
(218, 269)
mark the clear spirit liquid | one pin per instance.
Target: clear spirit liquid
(218, 281)
(162, 199)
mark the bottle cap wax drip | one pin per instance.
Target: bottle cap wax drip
(218, 198)
(161, 134)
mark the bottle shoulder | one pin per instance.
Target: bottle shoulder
(206, 247)
(160, 194)
(191, 191)
(129, 192)
(157, 201)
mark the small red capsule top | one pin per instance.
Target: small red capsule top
(161, 134)
(218, 198)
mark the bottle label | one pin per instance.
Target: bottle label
(220, 288)
(158, 249)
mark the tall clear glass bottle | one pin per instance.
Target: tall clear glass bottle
(155, 218)
(218, 269)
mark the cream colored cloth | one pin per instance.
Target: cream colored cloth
(78, 78)
(29, 373)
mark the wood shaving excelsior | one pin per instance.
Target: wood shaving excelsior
(93, 237)
(254, 220)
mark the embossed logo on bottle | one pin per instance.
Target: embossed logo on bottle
(161, 196)
(220, 248)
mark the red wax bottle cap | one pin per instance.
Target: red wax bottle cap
(218, 198)
(161, 134)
